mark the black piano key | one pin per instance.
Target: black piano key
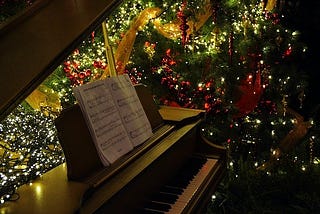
(164, 197)
(190, 169)
(157, 206)
(149, 211)
(178, 183)
(171, 190)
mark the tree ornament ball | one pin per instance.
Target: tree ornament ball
(249, 94)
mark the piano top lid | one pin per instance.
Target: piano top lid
(33, 44)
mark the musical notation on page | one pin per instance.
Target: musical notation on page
(114, 115)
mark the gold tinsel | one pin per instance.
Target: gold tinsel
(168, 30)
(172, 30)
(124, 49)
(42, 97)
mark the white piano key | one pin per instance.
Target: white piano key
(192, 188)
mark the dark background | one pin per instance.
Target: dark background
(304, 15)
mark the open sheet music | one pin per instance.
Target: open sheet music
(114, 115)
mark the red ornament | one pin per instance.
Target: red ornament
(67, 69)
(82, 75)
(92, 36)
(230, 51)
(288, 52)
(76, 52)
(67, 63)
(169, 102)
(88, 72)
(168, 61)
(183, 26)
(251, 91)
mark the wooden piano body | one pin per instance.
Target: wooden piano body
(83, 185)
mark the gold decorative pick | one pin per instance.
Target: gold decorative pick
(109, 54)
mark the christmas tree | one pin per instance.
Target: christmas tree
(238, 60)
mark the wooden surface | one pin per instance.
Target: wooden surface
(51, 193)
(176, 114)
(34, 45)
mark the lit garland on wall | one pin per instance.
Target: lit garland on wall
(29, 147)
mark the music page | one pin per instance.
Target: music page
(114, 115)
(131, 111)
(103, 120)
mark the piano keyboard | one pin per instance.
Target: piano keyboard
(174, 196)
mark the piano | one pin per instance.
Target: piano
(175, 171)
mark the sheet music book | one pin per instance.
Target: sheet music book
(114, 115)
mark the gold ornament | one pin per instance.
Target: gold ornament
(292, 139)
(285, 105)
(271, 4)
